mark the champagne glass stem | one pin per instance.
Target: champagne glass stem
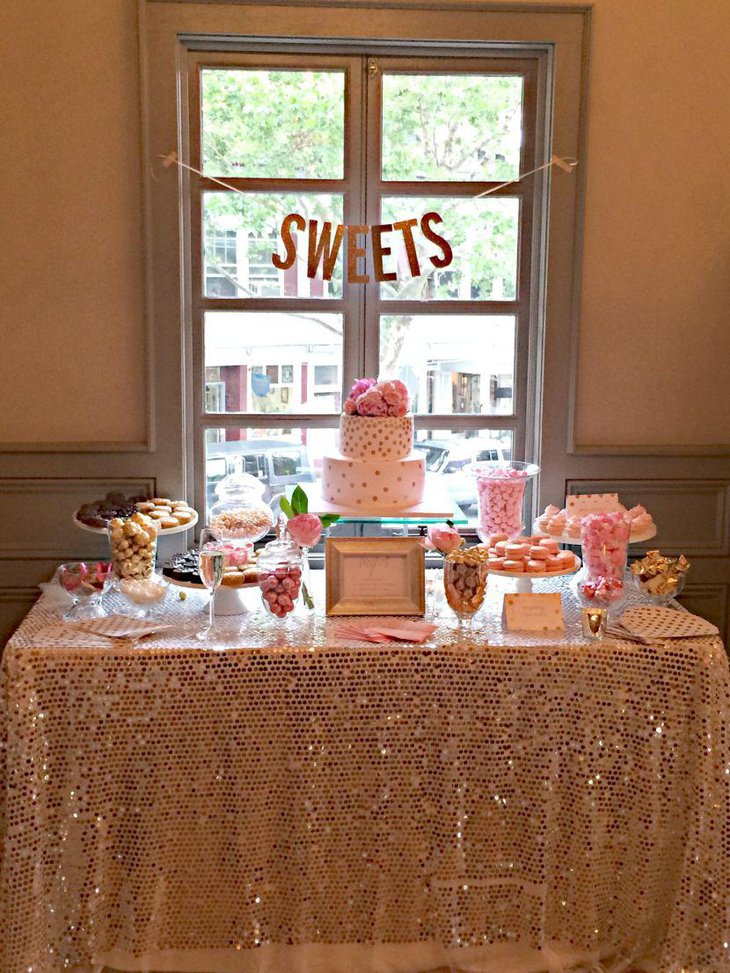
(211, 610)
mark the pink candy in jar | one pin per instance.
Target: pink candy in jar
(604, 540)
(280, 589)
(500, 496)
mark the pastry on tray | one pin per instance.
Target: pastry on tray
(184, 568)
(168, 513)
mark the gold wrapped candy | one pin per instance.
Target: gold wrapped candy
(660, 575)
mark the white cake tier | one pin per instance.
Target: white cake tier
(371, 438)
(389, 484)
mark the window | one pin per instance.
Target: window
(362, 139)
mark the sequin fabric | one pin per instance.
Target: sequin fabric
(302, 804)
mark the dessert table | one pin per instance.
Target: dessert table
(285, 802)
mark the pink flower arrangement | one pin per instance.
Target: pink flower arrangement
(444, 538)
(304, 529)
(370, 398)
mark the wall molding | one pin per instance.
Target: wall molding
(686, 494)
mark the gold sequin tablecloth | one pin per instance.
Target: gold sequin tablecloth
(517, 807)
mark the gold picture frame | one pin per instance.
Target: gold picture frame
(375, 575)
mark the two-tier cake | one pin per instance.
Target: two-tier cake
(375, 465)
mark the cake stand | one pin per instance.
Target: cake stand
(526, 578)
(163, 531)
(635, 537)
(227, 598)
(436, 505)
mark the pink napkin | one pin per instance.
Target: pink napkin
(399, 631)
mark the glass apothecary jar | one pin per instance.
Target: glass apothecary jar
(605, 544)
(281, 570)
(500, 496)
(241, 513)
(133, 545)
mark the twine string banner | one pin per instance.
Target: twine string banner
(324, 249)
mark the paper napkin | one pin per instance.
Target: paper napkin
(399, 631)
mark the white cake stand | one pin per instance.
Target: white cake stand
(635, 537)
(526, 578)
(162, 530)
(228, 600)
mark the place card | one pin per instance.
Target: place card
(533, 612)
(582, 504)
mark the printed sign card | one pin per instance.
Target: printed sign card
(582, 504)
(533, 612)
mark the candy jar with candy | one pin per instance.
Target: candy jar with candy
(85, 583)
(240, 514)
(133, 543)
(465, 581)
(280, 565)
(605, 543)
(500, 496)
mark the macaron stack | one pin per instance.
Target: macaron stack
(537, 554)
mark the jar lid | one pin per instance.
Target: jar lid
(279, 552)
(240, 487)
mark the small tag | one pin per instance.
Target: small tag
(582, 504)
(534, 612)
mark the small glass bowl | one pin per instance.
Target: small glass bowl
(84, 581)
(653, 597)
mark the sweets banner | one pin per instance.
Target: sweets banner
(323, 246)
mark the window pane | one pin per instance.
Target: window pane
(241, 232)
(278, 458)
(267, 362)
(264, 124)
(451, 126)
(448, 453)
(483, 234)
(461, 364)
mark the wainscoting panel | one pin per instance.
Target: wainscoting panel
(691, 515)
(710, 601)
(15, 603)
(38, 512)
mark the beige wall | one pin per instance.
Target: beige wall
(71, 260)
(656, 288)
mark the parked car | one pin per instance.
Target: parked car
(447, 460)
(276, 463)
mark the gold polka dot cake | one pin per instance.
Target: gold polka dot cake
(375, 465)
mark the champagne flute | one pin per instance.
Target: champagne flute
(211, 562)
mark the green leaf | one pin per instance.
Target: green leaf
(286, 507)
(299, 501)
(328, 519)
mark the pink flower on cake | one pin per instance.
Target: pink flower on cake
(304, 529)
(361, 386)
(372, 403)
(350, 407)
(396, 395)
(444, 538)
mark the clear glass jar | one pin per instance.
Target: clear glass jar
(240, 514)
(465, 581)
(133, 544)
(281, 569)
(604, 547)
(500, 496)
